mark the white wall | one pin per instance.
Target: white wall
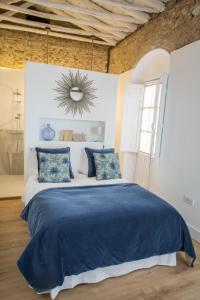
(40, 82)
(178, 171)
(151, 66)
(123, 81)
(10, 80)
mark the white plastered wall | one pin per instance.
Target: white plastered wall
(176, 174)
(40, 82)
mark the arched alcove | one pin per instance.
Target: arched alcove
(151, 66)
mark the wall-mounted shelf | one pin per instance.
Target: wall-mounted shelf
(94, 131)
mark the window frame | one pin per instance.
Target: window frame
(156, 112)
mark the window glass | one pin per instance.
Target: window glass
(145, 142)
(152, 117)
(149, 95)
(150, 114)
(147, 119)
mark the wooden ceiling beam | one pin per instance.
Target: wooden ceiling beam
(116, 35)
(142, 16)
(89, 29)
(10, 1)
(119, 10)
(81, 10)
(53, 34)
(55, 27)
(93, 23)
(156, 5)
(149, 6)
(64, 14)
(87, 4)
(12, 13)
(108, 20)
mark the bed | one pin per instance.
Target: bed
(86, 231)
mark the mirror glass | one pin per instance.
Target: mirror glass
(76, 94)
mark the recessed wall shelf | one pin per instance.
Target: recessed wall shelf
(74, 130)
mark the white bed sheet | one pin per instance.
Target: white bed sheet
(32, 186)
(101, 274)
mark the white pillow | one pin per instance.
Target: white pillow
(83, 167)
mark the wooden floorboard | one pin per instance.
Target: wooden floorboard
(158, 283)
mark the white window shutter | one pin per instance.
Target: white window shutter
(164, 82)
(131, 117)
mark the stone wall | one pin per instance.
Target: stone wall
(172, 29)
(17, 47)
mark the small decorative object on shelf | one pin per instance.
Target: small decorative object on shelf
(48, 133)
(97, 131)
(79, 137)
(66, 135)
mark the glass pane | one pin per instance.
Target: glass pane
(149, 95)
(147, 119)
(145, 142)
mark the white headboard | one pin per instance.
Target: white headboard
(77, 154)
(40, 105)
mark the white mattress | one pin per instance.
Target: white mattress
(32, 187)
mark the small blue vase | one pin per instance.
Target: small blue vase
(48, 133)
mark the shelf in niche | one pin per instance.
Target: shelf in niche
(93, 130)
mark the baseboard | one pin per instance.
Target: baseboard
(195, 233)
(10, 198)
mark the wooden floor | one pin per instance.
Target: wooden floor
(158, 283)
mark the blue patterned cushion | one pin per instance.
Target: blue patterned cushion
(54, 167)
(54, 151)
(90, 155)
(107, 166)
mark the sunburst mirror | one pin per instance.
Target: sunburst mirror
(76, 93)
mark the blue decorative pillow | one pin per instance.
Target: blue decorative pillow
(107, 166)
(54, 151)
(90, 155)
(54, 167)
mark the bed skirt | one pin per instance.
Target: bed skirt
(100, 274)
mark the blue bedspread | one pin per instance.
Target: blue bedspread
(78, 229)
